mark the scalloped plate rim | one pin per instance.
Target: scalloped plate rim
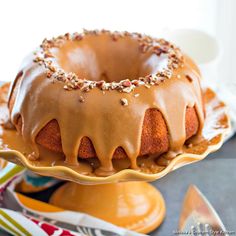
(121, 175)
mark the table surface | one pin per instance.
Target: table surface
(215, 176)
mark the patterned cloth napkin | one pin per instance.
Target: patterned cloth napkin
(23, 216)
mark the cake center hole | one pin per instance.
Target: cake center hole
(99, 57)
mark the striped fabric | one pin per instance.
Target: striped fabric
(23, 216)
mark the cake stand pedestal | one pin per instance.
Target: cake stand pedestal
(136, 206)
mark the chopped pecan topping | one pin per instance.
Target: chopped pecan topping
(44, 57)
(124, 102)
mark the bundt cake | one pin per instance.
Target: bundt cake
(107, 95)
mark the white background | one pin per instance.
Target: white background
(23, 24)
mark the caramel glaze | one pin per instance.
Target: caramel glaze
(101, 117)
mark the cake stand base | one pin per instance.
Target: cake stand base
(136, 206)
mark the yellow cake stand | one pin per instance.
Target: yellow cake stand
(125, 198)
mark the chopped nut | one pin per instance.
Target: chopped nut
(48, 54)
(38, 59)
(127, 89)
(100, 83)
(115, 36)
(67, 88)
(33, 157)
(78, 37)
(85, 89)
(158, 51)
(189, 78)
(124, 102)
(81, 99)
(135, 82)
(190, 145)
(52, 68)
(49, 74)
(146, 43)
(126, 83)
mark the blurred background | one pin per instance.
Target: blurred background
(24, 24)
